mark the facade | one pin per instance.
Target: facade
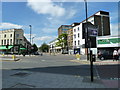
(63, 29)
(111, 42)
(53, 48)
(70, 38)
(14, 39)
(101, 19)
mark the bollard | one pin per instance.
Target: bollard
(3, 54)
(78, 56)
(13, 57)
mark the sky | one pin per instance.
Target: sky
(46, 17)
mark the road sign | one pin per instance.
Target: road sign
(93, 31)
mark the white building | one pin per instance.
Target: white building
(53, 47)
(101, 19)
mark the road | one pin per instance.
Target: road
(59, 65)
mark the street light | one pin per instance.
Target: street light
(30, 31)
(32, 39)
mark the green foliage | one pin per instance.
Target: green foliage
(44, 47)
(62, 40)
(35, 48)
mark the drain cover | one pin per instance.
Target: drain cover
(21, 74)
(19, 85)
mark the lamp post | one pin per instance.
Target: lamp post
(30, 36)
(30, 32)
(32, 39)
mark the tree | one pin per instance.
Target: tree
(44, 47)
(62, 41)
(34, 48)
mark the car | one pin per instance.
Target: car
(105, 54)
(36, 53)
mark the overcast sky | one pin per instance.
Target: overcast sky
(46, 17)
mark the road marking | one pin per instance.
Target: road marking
(43, 60)
(97, 72)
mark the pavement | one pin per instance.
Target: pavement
(72, 76)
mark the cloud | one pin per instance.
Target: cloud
(71, 13)
(28, 36)
(114, 16)
(50, 30)
(114, 29)
(47, 7)
(9, 26)
(45, 38)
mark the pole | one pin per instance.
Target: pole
(91, 66)
(86, 27)
(30, 36)
(30, 32)
(88, 40)
(32, 39)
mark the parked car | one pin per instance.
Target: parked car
(105, 54)
(36, 53)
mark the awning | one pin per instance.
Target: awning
(22, 48)
(4, 47)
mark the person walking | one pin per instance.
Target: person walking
(115, 55)
(119, 54)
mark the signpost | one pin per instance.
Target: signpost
(92, 32)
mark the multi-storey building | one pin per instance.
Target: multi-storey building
(63, 29)
(101, 19)
(14, 39)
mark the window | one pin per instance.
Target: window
(20, 41)
(17, 35)
(74, 30)
(75, 43)
(4, 42)
(17, 42)
(78, 28)
(5, 36)
(74, 36)
(10, 35)
(78, 35)
(11, 41)
(78, 42)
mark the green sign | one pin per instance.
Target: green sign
(109, 41)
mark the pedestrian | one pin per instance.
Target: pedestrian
(115, 55)
(119, 53)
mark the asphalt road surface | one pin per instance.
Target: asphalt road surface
(61, 64)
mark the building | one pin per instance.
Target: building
(108, 42)
(53, 48)
(13, 40)
(100, 19)
(63, 29)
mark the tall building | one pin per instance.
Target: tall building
(100, 19)
(14, 39)
(63, 29)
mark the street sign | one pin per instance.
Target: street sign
(93, 31)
